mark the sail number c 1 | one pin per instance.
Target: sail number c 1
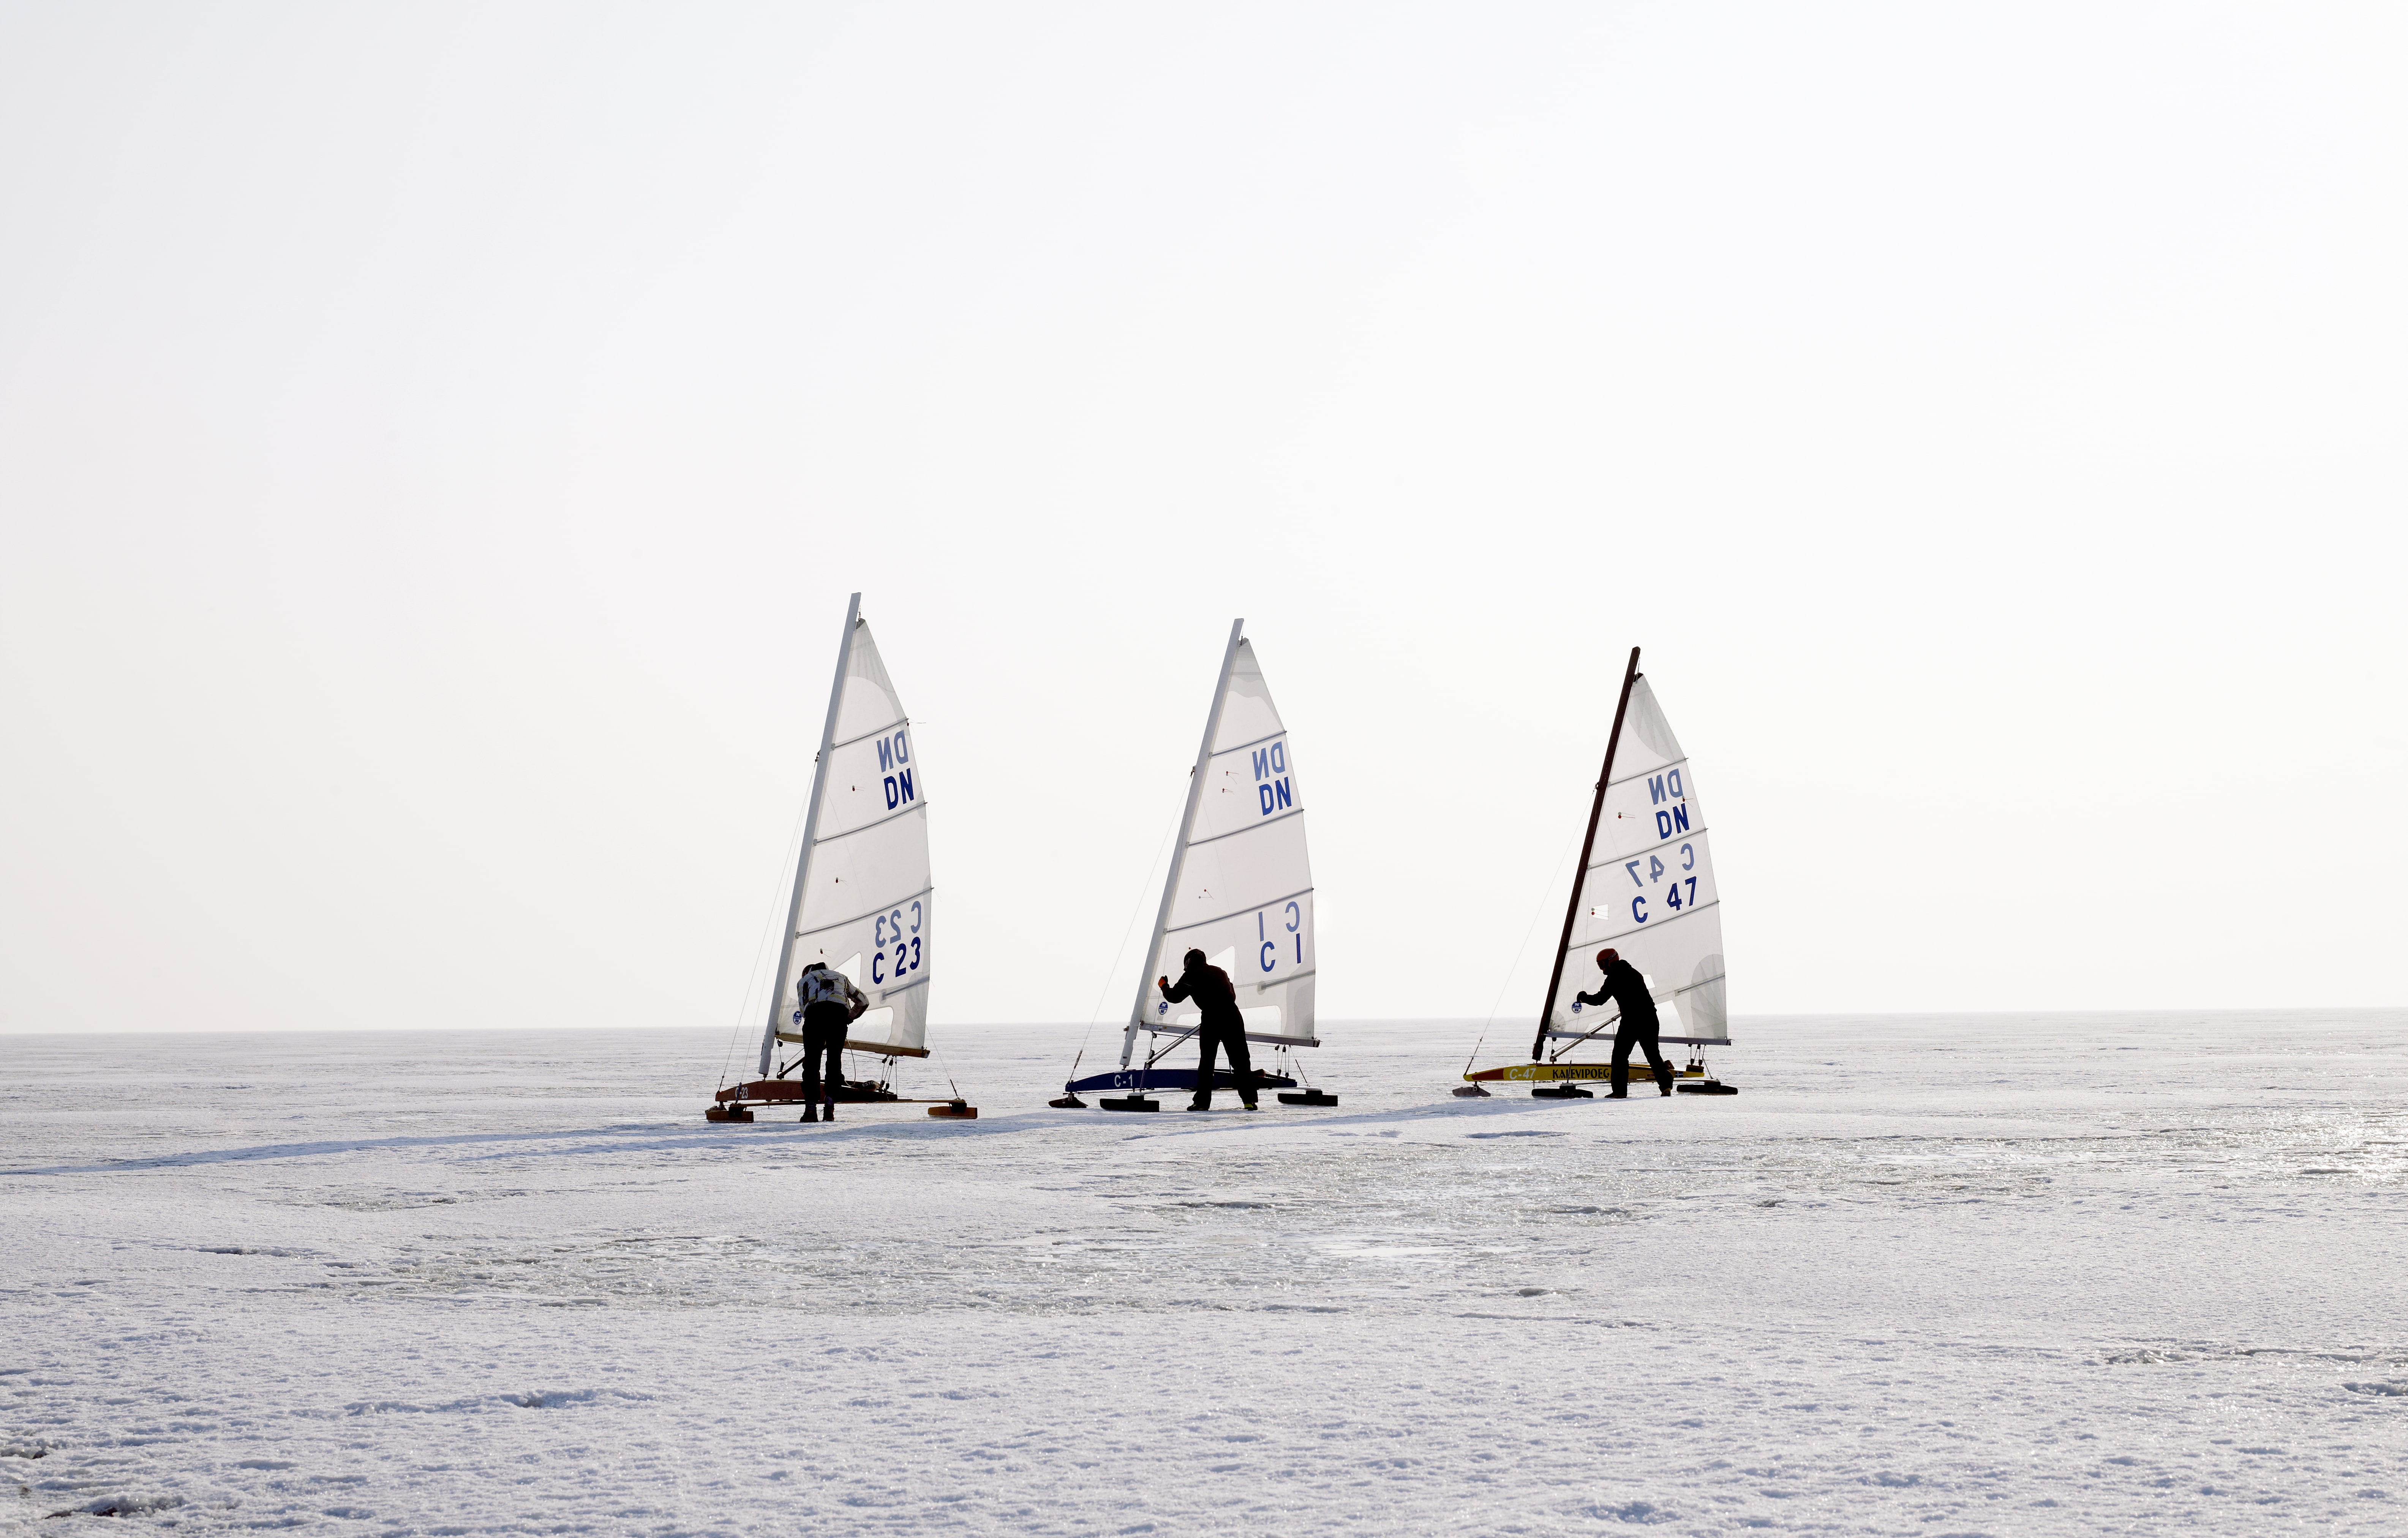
(1295, 926)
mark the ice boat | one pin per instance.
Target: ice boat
(1645, 888)
(862, 900)
(1240, 889)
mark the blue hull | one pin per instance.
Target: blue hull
(1167, 1080)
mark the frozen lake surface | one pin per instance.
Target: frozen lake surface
(2006, 1274)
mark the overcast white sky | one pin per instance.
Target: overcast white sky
(436, 443)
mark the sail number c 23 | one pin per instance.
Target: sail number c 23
(906, 946)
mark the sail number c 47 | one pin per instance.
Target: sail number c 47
(906, 946)
(1674, 898)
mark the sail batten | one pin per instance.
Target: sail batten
(867, 826)
(872, 913)
(874, 731)
(1699, 831)
(1242, 908)
(1216, 838)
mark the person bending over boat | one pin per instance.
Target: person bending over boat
(1222, 1027)
(830, 1005)
(1624, 986)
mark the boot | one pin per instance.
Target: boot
(830, 1113)
(1199, 1104)
(810, 1114)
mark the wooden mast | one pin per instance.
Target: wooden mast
(1580, 872)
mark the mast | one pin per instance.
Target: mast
(1580, 872)
(1178, 850)
(811, 830)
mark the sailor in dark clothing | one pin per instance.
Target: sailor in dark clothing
(830, 1004)
(1624, 986)
(1221, 1028)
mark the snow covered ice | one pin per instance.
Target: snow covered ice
(2005, 1275)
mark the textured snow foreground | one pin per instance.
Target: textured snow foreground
(2004, 1275)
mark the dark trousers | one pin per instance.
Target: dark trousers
(1640, 1036)
(823, 1028)
(1241, 1067)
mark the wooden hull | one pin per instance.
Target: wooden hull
(790, 1092)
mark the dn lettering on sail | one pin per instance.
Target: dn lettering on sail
(894, 762)
(1674, 819)
(1272, 788)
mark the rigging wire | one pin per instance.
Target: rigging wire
(934, 1055)
(744, 1006)
(1096, 1009)
(1545, 893)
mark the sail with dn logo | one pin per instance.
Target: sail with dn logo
(1240, 889)
(861, 903)
(1645, 889)
(1648, 890)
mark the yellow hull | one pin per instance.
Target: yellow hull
(1563, 1072)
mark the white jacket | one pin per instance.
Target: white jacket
(825, 985)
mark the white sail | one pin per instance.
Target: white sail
(862, 897)
(1648, 891)
(1240, 882)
